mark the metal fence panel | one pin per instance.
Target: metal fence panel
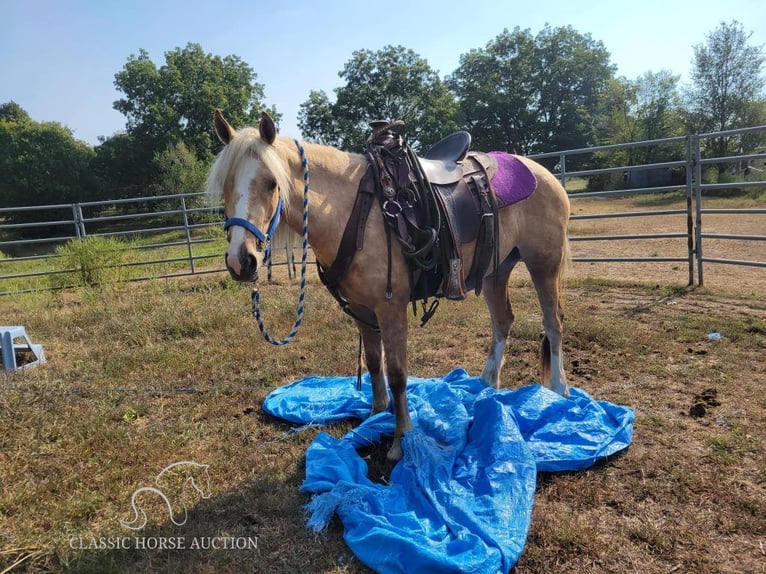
(192, 224)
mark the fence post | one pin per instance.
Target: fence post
(79, 224)
(689, 210)
(563, 170)
(698, 207)
(75, 220)
(188, 233)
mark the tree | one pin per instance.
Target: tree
(41, 162)
(657, 104)
(615, 120)
(496, 96)
(173, 105)
(391, 84)
(175, 102)
(646, 108)
(533, 93)
(13, 112)
(181, 171)
(643, 109)
(124, 166)
(316, 119)
(727, 84)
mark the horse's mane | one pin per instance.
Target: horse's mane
(246, 142)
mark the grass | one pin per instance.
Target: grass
(143, 375)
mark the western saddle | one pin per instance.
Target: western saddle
(432, 206)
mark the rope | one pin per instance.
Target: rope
(256, 298)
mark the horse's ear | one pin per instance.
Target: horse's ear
(223, 129)
(267, 128)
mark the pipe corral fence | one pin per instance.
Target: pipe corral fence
(673, 167)
(179, 235)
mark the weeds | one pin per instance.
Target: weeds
(91, 262)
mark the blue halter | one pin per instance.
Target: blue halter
(266, 239)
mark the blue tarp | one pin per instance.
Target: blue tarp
(461, 498)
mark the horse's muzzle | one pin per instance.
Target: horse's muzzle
(244, 268)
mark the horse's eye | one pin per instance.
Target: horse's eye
(272, 184)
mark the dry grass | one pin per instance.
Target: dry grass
(145, 375)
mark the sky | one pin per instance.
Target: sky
(58, 58)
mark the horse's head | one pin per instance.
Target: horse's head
(253, 181)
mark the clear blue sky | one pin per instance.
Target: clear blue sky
(58, 58)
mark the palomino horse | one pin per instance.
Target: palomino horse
(260, 174)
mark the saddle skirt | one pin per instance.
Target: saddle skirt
(514, 181)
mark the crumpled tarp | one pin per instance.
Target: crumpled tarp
(461, 498)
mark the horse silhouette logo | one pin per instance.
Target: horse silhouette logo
(172, 484)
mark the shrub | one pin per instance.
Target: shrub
(91, 262)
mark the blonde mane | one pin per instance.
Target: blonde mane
(247, 143)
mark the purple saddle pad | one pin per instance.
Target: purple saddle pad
(513, 181)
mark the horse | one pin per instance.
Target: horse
(260, 174)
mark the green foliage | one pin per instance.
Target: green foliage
(175, 102)
(521, 92)
(124, 166)
(91, 262)
(728, 90)
(317, 120)
(180, 171)
(530, 94)
(393, 84)
(41, 162)
(169, 112)
(13, 112)
(657, 106)
(726, 79)
(615, 120)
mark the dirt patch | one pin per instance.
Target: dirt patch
(718, 276)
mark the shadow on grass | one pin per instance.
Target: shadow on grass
(257, 527)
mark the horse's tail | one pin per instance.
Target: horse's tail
(566, 261)
(564, 269)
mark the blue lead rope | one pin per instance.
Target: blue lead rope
(302, 295)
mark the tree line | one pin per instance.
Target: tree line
(521, 92)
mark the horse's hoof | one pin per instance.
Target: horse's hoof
(379, 408)
(562, 390)
(395, 453)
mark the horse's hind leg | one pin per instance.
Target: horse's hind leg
(495, 291)
(373, 352)
(546, 278)
(393, 326)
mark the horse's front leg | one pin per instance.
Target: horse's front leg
(373, 352)
(393, 326)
